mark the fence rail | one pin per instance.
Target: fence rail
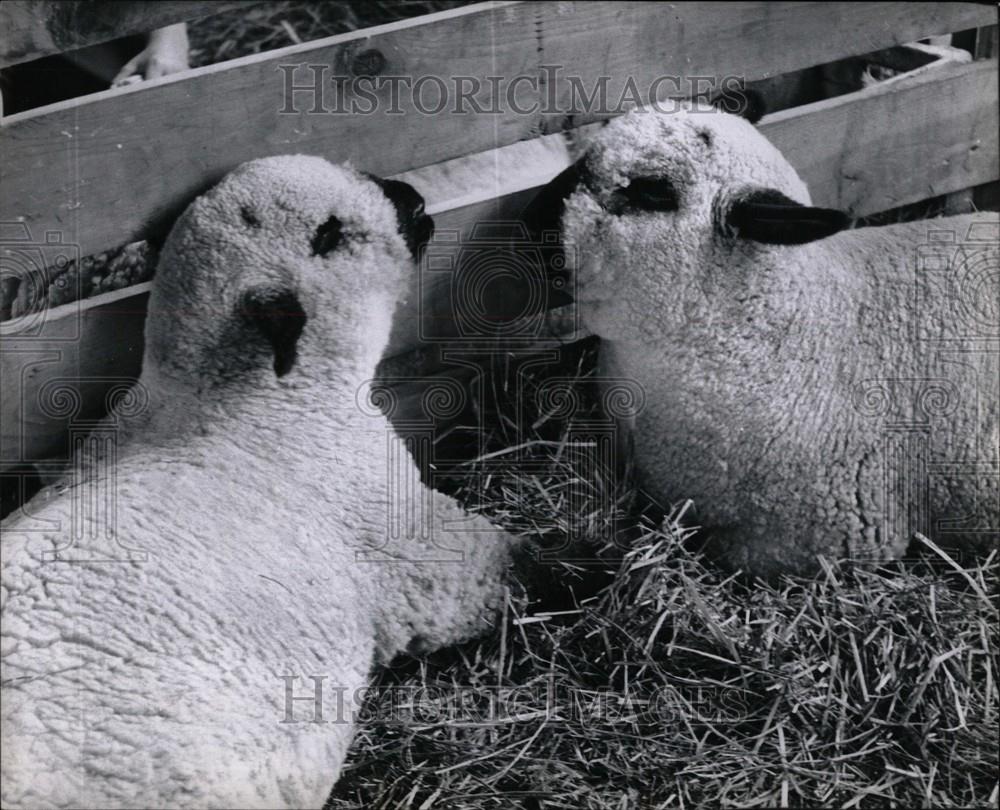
(119, 165)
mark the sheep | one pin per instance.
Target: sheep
(255, 487)
(815, 391)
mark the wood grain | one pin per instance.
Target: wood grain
(37, 28)
(59, 368)
(118, 166)
(897, 142)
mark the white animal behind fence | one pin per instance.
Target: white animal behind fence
(815, 392)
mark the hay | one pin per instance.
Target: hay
(245, 31)
(662, 683)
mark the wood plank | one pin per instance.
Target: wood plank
(99, 340)
(119, 165)
(36, 28)
(987, 42)
(897, 142)
(58, 370)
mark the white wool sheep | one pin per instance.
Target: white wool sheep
(258, 489)
(814, 394)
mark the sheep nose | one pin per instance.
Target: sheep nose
(414, 224)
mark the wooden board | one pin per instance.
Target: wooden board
(58, 366)
(35, 28)
(119, 165)
(58, 369)
(897, 142)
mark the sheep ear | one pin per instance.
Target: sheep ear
(279, 317)
(741, 101)
(543, 219)
(770, 217)
(543, 215)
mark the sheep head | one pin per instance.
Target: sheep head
(287, 254)
(657, 196)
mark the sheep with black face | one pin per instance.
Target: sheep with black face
(816, 391)
(258, 492)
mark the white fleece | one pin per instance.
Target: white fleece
(827, 398)
(261, 505)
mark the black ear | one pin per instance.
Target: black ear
(416, 226)
(543, 215)
(543, 220)
(279, 317)
(770, 217)
(741, 101)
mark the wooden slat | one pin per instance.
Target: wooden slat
(80, 351)
(987, 42)
(897, 142)
(100, 339)
(900, 141)
(35, 28)
(119, 165)
(949, 109)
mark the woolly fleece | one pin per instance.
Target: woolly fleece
(261, 505)
(830, 398)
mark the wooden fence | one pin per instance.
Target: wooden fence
(97, 172)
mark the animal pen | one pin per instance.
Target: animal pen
(879, 107)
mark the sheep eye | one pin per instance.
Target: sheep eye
(249, 217)
(650, 194)
(327, 237)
